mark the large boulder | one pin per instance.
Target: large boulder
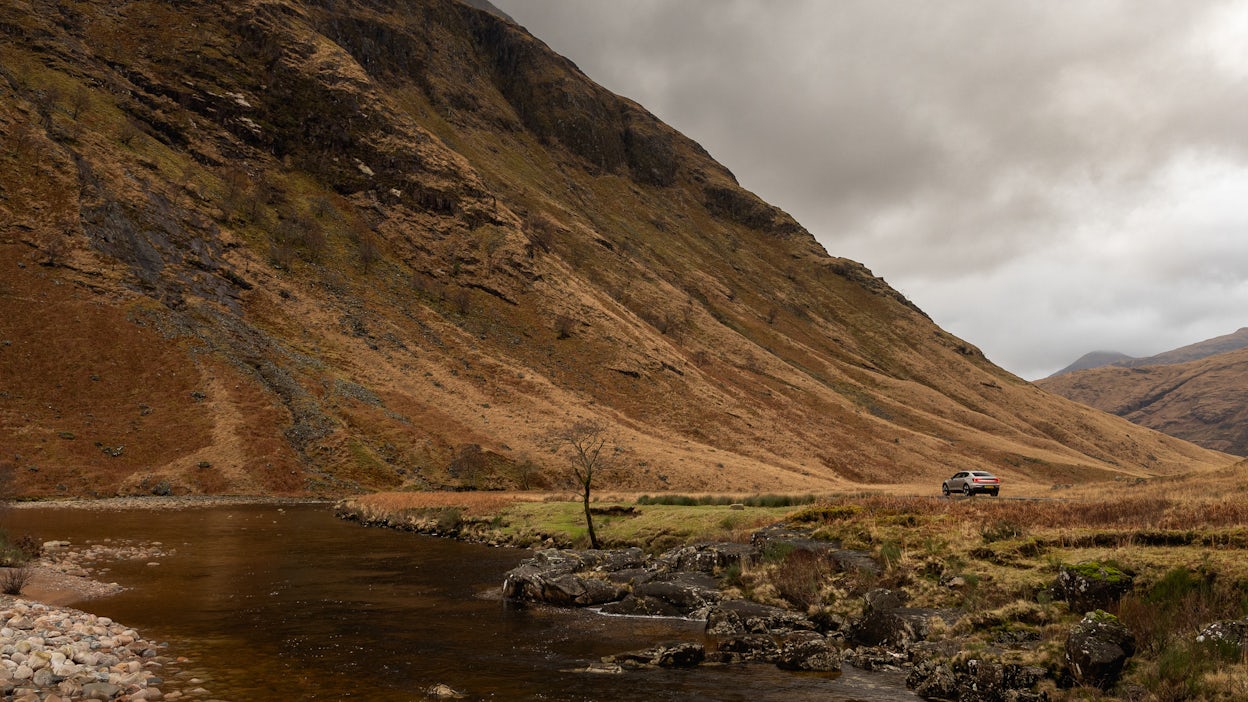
(1097, 648)
(687, 592)
(1230, 634)
(705, 558)
(884, 622)
(532, 584)
(975, 681)
(747, 648)
(554, 576)
(1091, 585)
(734, 617)
(809, 651)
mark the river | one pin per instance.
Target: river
(289, 603)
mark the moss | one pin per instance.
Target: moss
(1100, 615)
(1106, 571)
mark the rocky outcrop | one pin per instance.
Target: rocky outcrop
(885, 622)
(736, 617)
(1097, 648)
(976, 681)
(1090, 586)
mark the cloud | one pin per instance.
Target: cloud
(987, 158)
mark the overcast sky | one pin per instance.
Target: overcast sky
(1043, 178)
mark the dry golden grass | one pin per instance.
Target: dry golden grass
(472, 503)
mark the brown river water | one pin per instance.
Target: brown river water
(289, 603)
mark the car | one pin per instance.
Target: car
(969, 482)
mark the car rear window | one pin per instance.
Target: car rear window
(981, 473)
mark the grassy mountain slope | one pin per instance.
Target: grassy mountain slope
(1204, 401)
(280, 247)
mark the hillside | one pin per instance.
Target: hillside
(1191, 352)
(272, 246)
(1204, 401)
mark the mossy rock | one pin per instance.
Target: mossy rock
(1091, 585)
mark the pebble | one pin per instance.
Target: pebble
(53, 653)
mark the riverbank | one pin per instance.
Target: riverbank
(154, 502)
(978, 586)
(50, 654)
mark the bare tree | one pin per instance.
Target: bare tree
(591, 450)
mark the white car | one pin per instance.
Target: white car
(969, 482)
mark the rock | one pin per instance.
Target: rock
(670, 655)
(705, 558)
(898, 628)
(634, 606)
(732, 617)
(883, 600)
(1097, 648)
(443, 692)
(1088, 586)
(100, 691)
(747, 648)
(1231, 633)
(687, 592)
(809, 651)
(975, 681)
(874, 658)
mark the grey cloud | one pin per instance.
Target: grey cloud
(978, 154)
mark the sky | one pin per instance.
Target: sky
(1044, 179)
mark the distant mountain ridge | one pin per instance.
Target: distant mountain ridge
(1201, 349)
(1198, 393)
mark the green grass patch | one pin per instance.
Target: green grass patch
(654, 527)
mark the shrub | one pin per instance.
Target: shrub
(826, 513)
(799, 577)
(450, 519)
(14, 579)
(1001, 530)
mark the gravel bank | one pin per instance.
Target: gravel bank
(49, 654)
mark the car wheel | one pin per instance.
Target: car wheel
(966, 490)
(996, 492)
(945, 489)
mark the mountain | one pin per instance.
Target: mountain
(292, 247)
(1191, 352)
(1094, 359)
(1204, 401)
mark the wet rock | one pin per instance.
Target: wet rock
(747, 648)
(809, 651)
(670, 655)
(687, 592)
(442, 691)
(733, 617)
(1097, 648)
(552, 576)
(1089, 586)
(635, 606)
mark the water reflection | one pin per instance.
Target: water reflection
(291, 603)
